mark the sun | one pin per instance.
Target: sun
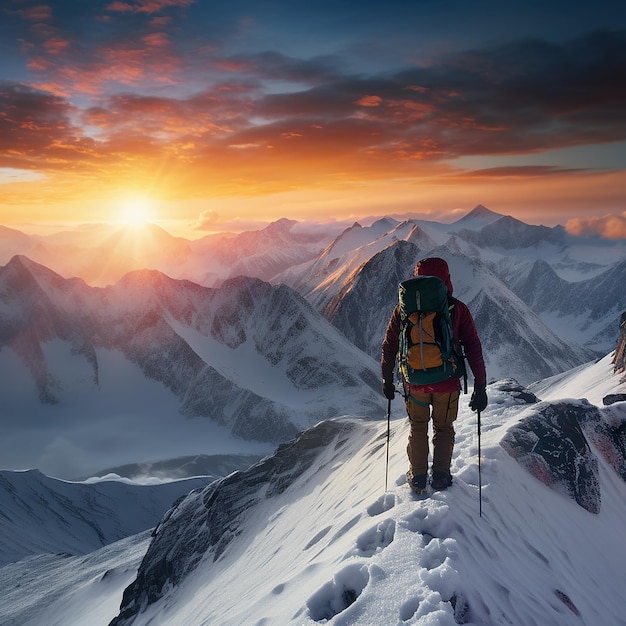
(136, 210)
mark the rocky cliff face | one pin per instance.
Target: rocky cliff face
(205, 523)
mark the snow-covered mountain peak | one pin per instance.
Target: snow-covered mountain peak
(353, 238)
(384, 224)
(479, 217)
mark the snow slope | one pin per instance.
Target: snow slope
(581, 382)
(334, 547)
(311, 536)
(60, 590)
(45, 515)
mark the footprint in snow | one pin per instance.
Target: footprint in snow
(338, 594)
(386, 502)
(375, 539)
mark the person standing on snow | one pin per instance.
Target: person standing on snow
(440, 400)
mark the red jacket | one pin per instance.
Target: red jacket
(463, 328)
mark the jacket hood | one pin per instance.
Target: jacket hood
(435, 266)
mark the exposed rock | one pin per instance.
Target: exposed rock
(552, 446)
(607, 432)
(619, 360)
(612, 398)
(203, 525)
(515, 390)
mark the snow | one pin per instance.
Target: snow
(60, 590)
(592, 383)
(335, 548)
(55, 516)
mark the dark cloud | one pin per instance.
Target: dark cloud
(541, 95)
(519, 171)
(516, 98)
(279, 67)
(147, 6)
(36, 131)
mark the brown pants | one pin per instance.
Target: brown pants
(445, 407)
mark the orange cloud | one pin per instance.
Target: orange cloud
(606, 226)
(207, 220)
(369, 101)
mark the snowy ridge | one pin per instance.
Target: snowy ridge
(324, 279)
(479, 217)
(319, 550)
(533, 262)
(210, 465)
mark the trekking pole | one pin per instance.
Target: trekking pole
(480, 486)
(388, 433)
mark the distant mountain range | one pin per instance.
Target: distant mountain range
(162, 373)
(505, 259)
(101, 254)
(267, 332)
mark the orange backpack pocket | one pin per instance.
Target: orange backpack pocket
(424, 351)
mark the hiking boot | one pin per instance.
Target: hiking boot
(441, 480)
(417, 483)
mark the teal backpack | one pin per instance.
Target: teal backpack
(427, 353)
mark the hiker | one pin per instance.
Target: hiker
(436, 400)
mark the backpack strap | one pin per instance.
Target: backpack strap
(460, 352)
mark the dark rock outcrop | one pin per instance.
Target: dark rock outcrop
(552, 446)
(612, 398)
(619, 360)
(561, 443)
(203, 525)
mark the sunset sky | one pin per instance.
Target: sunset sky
(209, 115)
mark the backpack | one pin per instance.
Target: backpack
(427, 353)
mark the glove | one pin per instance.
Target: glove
(478, 401)
(389, 390)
